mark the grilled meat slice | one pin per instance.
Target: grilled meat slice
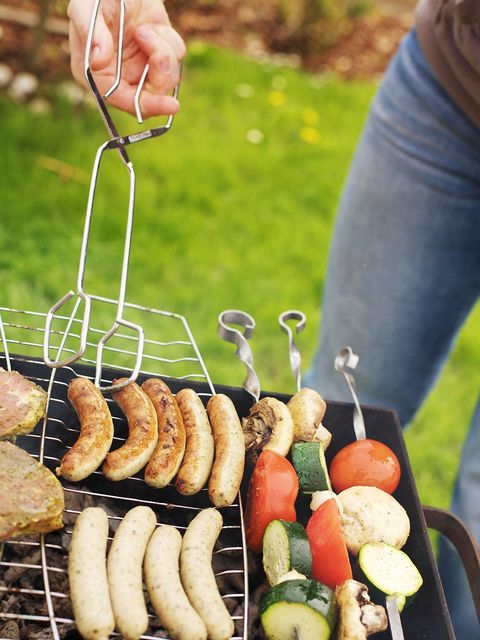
(31, 497)
(22, 404)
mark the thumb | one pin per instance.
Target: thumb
(102, 49)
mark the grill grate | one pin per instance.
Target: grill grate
(45, 601)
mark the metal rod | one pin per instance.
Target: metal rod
(5, 345)
(294, 353)
(251, 384)
(347, 358)
(121, 30)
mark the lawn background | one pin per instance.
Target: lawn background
(221, 222)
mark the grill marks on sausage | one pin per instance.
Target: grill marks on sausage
(169, 452)
(142, 434)
(96, 431)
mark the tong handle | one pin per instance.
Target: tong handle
(251, 384)
(294, 353)
(117, 141)
(345, 359)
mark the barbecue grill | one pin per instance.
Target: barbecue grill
(37, 594)
(51, 348)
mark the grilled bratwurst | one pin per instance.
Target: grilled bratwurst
(168, 454)
(96, 431)
(142, 433)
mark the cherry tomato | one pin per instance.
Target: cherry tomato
(330, 561)
(272, 492)
(365, 463)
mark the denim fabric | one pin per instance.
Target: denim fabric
(404, 267)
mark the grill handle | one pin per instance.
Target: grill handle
(450, 526)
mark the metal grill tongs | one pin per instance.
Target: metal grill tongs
(119, 143)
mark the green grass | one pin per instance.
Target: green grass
(220, 222)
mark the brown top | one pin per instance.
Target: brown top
(449, 34)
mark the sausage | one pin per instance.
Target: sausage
(165, 590)
(197, 574)
(229, 462)
(96, 431)
(87, 575)
(124, 568)
(168, 454)
(198, 459)
(142, 433)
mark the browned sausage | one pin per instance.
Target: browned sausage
(198, 459)
(142, 433)
(168, 454)
(96, 431)
(229, 462)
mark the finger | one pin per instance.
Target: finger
(151, 36)
(163, 47)
(151, 103)
(102, 50)
(77, 55)
(164, 72)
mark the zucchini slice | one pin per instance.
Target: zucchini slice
(285, 547)
(309, 461)
(307, 605)
(390, 571)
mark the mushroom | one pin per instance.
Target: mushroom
(269, 425)
(307, 408)
(358, 617)
(372, 515)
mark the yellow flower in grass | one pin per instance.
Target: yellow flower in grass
(277, 98)
(310, 116)
(310, 135)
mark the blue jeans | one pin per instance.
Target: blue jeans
(404, 268)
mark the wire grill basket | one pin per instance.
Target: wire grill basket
(40, 561)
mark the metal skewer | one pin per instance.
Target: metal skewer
(251, 384)
(295, 357)
(394, 620)
(345, 359)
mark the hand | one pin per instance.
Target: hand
(148, 38)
